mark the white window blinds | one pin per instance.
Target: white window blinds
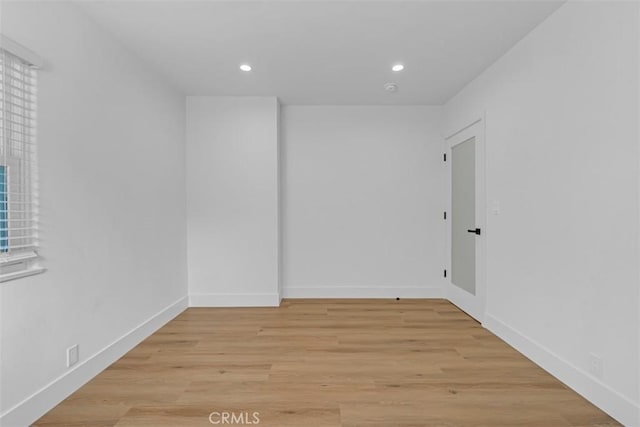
(18, 204)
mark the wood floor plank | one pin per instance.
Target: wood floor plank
(330, 363)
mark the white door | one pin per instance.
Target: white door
(466, 285)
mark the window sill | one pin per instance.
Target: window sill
(22, 273)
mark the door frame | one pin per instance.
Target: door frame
(475, 306)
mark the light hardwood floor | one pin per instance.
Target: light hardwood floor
(373, 363)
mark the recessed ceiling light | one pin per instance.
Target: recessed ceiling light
(398, 67)
(245, 67)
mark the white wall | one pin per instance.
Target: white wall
(363, 201)
(562, 161)
(111, 151)
(232, 200)
(638, 127)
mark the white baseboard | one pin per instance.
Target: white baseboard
(42, 401)
(610, 401)
(364, 292)
(234, 300)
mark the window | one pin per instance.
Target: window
(18, 201)
(4, 224)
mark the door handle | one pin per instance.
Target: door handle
(476, 231)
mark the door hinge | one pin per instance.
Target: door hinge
(445, 214)
(445, 157)
(445, 273)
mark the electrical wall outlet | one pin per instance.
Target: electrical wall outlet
(595, 365)
(73, 354)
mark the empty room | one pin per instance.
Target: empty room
(306, 213)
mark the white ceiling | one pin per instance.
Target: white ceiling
(321, 52)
